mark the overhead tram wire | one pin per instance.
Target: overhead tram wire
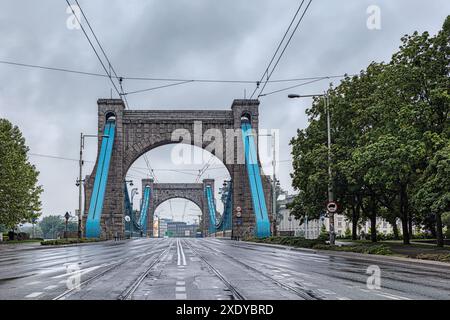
(285, 47)
(276, 51)
(292, 87)
(102, 75)
(150, 169)
(93, 48)
(134, 168)
(104, 53)
(159, 87)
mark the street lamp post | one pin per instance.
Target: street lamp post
(66, 216)
(326, 100)
(134, 192)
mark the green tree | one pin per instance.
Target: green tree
(388, 123)
(433, 195)
(53, 225)
(19, 189)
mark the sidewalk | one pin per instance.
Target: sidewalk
(354, 255)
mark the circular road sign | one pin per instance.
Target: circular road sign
(332, 207)
(127, 218)
(238, 214)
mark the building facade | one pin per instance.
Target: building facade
(287, 225)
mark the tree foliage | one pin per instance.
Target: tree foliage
(19, 189)
(53, 225)
(390, 134)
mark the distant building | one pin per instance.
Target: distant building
(287, 225)
(162, 227)
(181, 229)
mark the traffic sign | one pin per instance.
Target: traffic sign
(332, 207)
(238, 214)
(127, 218)
(239, 209)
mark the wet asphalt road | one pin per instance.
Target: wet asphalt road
(197, 269)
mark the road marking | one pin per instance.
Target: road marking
(182, 254)
(394, 296)
(181, 296)
(325, 291)
(178, 253)
(386, 296)
(50, 287)
(32, 283)
(181, 283)
(180, 289)
(79, 272)
(343, 298)
(34, 295)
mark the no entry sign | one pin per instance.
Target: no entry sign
(332, 207)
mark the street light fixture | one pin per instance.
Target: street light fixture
(326, 100)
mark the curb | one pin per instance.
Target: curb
(355, 255)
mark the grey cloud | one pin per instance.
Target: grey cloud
(180, 38)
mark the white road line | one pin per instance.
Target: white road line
(182, 254)
(180, 289)
(79, 272)
(34, 295)
(386, 296)
(395, 296)
(181, 296)
(343, 298)
(32, 283)
(50, 287)
(181, 283)
(178, 253)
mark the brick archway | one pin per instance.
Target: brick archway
(162, 192)
(139, 131)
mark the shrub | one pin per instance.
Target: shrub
(68, 241)
(367, 249)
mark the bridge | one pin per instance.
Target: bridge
(230, 135)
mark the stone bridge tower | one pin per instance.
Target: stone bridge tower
(139, 131)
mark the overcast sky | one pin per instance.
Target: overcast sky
(181, 39)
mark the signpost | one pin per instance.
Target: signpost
(238, 220)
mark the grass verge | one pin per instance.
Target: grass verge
(20, 241)
(442, 257)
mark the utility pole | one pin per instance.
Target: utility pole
(326, 101)
(274, 186)
(330, 175)
(80, 178)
